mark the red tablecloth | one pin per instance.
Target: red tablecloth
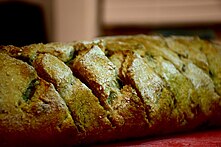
(202, 138)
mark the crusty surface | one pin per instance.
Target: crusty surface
(123, 106)
(151, 88)
(108, 89)
(98, 71)
(90, 118)
(27, 110)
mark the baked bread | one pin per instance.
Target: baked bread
(108, 89)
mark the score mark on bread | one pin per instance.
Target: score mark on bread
(109, 89)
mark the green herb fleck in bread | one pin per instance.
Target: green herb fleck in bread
(109, 89)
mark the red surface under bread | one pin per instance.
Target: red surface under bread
(203, 138)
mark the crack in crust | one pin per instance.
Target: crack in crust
(128, 86)
(88, 115)
(99, 73)
(21, 119)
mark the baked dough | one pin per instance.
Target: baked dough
(108, 89)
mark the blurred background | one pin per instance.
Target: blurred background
(24, 22)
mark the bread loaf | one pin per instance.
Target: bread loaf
(108, 89)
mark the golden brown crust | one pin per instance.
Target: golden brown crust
(96, 70)
(151, 89)
(88, 115)
(123, 106)
(109, 89)
(22, 119)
